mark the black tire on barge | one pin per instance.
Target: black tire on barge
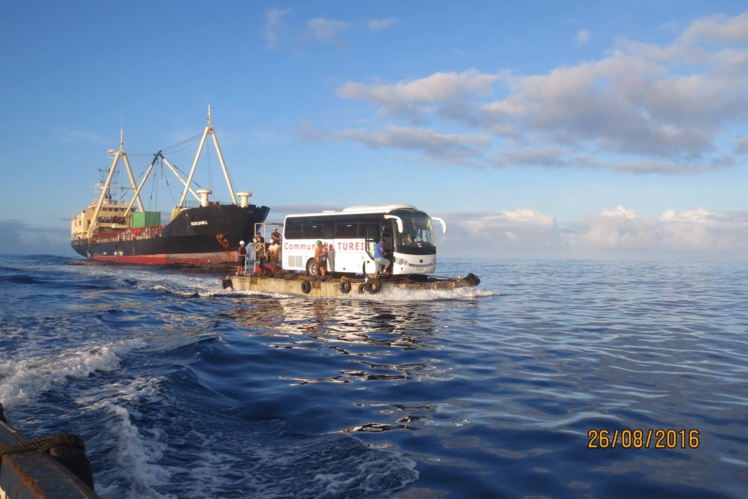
(373, 286)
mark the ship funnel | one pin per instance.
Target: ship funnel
(204, 193)
(244, 198)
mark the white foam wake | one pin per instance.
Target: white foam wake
(24, 380)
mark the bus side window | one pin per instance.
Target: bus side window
(345, 231)
(292, 230)
(312, 229)
(369, 231)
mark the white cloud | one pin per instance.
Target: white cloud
(641, 108)
(741, 145)
(326, 30)
(695, 233)
(619, 212)
(583, 36)
(621, 105)
(614, 233)
(672, 168)
(441, 147)
(718, 29)
(18, 237)
(381, 24)
(275, 30)
(506, 233)
(80, 136)
(416, 97)
(279, 31)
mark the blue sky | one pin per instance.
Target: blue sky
(587, 129)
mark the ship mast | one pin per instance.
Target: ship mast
(107, 184)
(208, 131)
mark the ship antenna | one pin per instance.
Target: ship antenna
(209, 112)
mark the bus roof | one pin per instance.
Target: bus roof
(385, 208)
(352, 210)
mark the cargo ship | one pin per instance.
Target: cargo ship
(200, 231)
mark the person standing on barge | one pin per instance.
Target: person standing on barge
(320, 258)
(241, 258)
(272, 256)
(259, 249)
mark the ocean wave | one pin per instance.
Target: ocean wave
(24, 380)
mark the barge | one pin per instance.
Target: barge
(293, 283)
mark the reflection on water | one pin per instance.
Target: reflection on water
(361, 331)
(349, 321)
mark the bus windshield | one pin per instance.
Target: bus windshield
(417, 232)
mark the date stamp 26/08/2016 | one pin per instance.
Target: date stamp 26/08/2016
(643, 439)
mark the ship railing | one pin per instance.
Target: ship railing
(195, 204)
(115, 236)
(111, 220)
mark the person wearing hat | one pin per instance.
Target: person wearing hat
(320, 258)
(241, 258)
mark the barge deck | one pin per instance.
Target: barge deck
(295, 283)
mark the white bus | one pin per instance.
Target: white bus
(352, 234)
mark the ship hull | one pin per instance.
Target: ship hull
(206, 235)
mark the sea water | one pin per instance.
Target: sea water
(551, 379)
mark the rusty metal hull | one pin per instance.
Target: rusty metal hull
(30, 474)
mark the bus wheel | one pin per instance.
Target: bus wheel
(311, 267)
(306, 287)
(373, 286)
(345, 286)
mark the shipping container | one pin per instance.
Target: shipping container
(142, 219)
